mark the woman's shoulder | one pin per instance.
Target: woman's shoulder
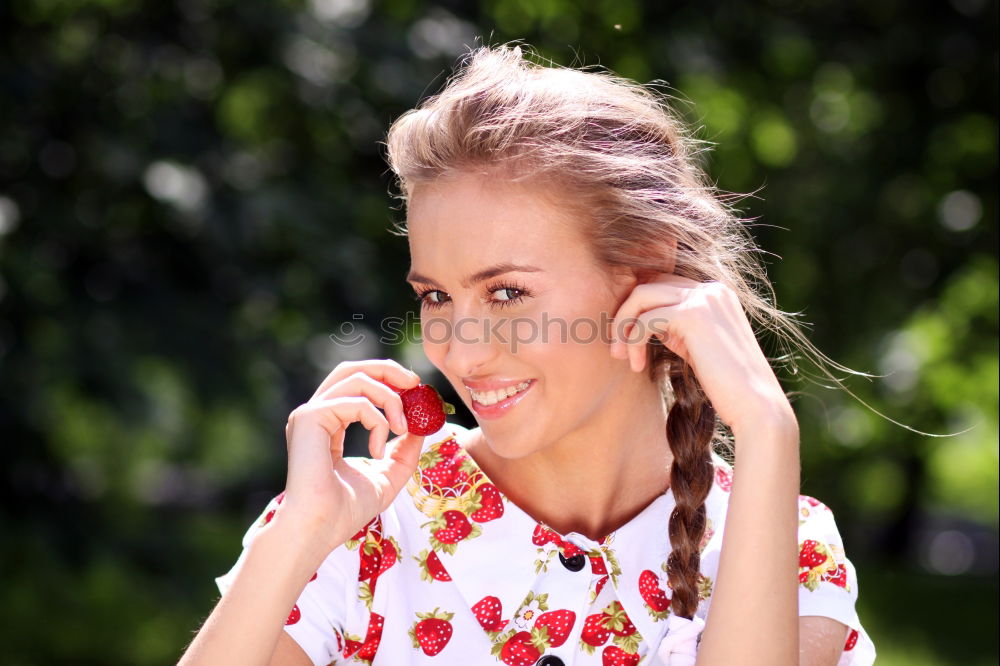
(823, 561)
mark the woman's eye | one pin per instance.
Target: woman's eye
(428, 299)
(511, 293)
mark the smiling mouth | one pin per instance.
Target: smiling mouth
(488, 398)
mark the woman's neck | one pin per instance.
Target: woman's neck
(595, 478)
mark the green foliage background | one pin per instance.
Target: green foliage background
(192, 199)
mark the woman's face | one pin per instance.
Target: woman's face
(513, 295)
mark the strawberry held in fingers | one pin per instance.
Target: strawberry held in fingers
(423, 408)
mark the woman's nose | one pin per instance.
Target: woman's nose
(473, 344)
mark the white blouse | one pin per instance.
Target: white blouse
(455, 573)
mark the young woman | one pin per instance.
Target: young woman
(588, 295)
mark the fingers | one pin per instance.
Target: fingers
(401, 459)
(653, 309)
(653, 322)
(362, 384)
(628, 330)
(316, 429)
(383, 370)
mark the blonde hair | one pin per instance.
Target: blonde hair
(615, 149)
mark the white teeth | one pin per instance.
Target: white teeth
(493, 397)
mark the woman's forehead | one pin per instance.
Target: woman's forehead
(484, 212)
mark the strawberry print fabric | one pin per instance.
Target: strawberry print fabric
(454, 573)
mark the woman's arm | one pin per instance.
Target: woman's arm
(821, 640)
(327, 499)
(247, 623)
(754, 613)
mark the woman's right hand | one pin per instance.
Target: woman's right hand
(334, 497)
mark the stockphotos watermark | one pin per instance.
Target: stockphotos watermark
(513, 331)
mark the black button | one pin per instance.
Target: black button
(574, 563)
(549, 660)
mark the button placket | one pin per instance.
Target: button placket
(574, 563)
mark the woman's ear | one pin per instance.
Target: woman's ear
(624, 277)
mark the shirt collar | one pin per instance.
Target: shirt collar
(504, 562)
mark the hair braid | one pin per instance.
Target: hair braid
(690, 429)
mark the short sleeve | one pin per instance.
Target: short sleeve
(318, 619)
(828, 583)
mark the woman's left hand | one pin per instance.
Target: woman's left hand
(703, 323)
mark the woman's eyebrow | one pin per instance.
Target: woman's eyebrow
(479, 276)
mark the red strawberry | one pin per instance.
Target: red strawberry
(602, 581)
(449, 447)
(852, 640)
(371, 560)
(617, 620)
(388, 556)
(449, 528)
(314, 577)
(423, 408)
(724, 478)
(461, 483)
(351, 646)
(294, 616)
(487, 610)
(280, 497)
(615, 656)
(655, 598)
(597, 565)
(340, 642)
(558, 623)
(838, 576)
(372, 638)
(492, 504)
(431, 567)
(543, 535)
(374, 525)
(813, 502)
(808, 555)
(455, 529)
(269, 516)
(519, 650)
(595, 632)
(432, 632)
(440, 475)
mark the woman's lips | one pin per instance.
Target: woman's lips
(502, 407)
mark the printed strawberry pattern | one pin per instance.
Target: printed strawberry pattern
(605, 603)
(448, 487)
(535, 630)
(724, 478)
(431, 568)
(651, 586)
(808, 506)
(818, 562)
(365, 650)
(611, 624)
(269, 515)
(376, 554)
(432, 631)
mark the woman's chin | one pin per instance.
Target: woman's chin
(503, 446)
